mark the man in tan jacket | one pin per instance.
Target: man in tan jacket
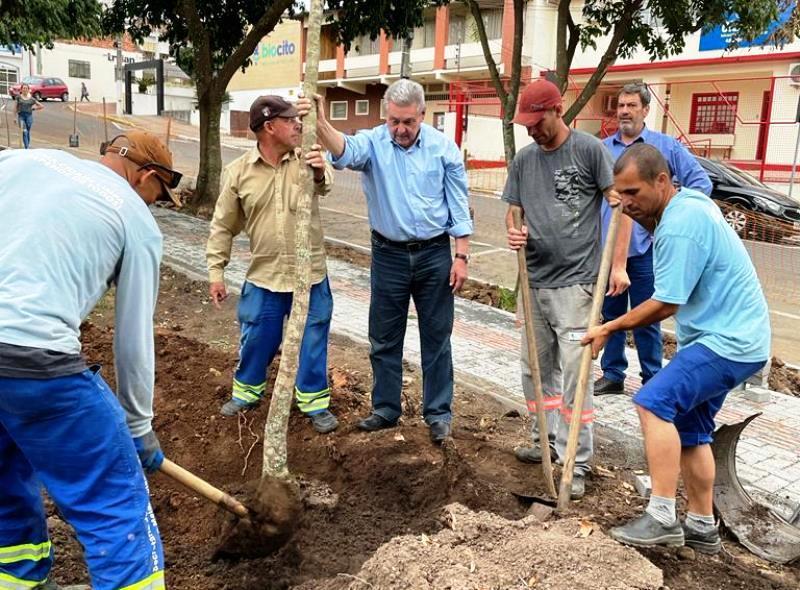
(259, 195)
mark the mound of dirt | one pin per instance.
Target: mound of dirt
(482, 550)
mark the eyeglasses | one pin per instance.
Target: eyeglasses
(170, 178)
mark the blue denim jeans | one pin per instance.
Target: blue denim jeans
(647, 338)
(25, 123)
(397, 275)
(261, 316)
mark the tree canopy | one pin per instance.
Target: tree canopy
(29, 23)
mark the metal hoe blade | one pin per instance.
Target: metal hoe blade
(758, 528)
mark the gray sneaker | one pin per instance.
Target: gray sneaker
(234, 406)
(709, 542)
(323, 422)
(578, 489)
(532, 454)
(646, 531)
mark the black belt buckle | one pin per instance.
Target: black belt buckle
(416, 246)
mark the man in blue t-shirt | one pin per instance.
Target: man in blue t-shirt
(633, 106)
(703, 277)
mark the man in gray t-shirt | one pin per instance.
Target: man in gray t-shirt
(559, 182)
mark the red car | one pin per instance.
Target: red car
(42, 88)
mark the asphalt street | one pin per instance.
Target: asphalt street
(345, 216)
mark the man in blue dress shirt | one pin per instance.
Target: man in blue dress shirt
(416, 189)
(633, 105)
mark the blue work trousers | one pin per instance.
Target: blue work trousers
(69, 434)
(397, 275)
(261, 316)
(647, 338)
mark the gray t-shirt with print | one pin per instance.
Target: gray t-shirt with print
(560, 192)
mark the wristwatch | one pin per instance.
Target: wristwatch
(464, 257)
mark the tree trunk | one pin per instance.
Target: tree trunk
(509, 141)
(275, 455)
(210, 106)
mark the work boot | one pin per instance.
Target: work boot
(646, 531)
(532, 454)
(323, 422)
(233, 406)
(709, 542)
(440, 430)
(605, 386)
(375, 422)
(578, 488)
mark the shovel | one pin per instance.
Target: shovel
(533, 362)
(260, 528)
(586, 361)
(205, 489)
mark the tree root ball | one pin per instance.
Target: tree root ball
(274, 506)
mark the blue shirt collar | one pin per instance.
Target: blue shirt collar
(416, 145)
(617, 137)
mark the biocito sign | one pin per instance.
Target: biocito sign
(275, 62)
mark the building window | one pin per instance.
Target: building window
(8, 77)
(79, 69)
(363, 45)
(714, 113)
(362, 108)
(493, 22)
(383, 109)
(438, 121)
(339, 110)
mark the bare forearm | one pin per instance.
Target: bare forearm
(620, 259)
(330, 138)
(510, 216)
(462, 245)
(649, 312)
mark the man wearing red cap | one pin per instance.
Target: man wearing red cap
(84, 228)
(259, 194)
(559, 182)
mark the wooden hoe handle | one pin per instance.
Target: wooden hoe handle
(586, 361)
(533, 361)
(202, 487)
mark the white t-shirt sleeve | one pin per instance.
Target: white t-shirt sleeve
(134, 357)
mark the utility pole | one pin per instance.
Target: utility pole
(119, 75)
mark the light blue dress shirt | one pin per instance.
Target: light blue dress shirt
(416, 193)
(701, 265)
(686, 172)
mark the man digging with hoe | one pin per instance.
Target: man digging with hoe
(705, 279)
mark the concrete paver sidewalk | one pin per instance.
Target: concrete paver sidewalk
(486, 347)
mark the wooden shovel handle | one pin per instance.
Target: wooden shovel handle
(586, 361)
(202, 487)
(533, 360)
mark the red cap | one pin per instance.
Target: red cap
(537, 98)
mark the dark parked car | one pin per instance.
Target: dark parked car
(42, 88)
(752, 208)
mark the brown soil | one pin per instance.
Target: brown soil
(784, 379)
(363, 490)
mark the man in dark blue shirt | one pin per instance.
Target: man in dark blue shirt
(633, 106)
